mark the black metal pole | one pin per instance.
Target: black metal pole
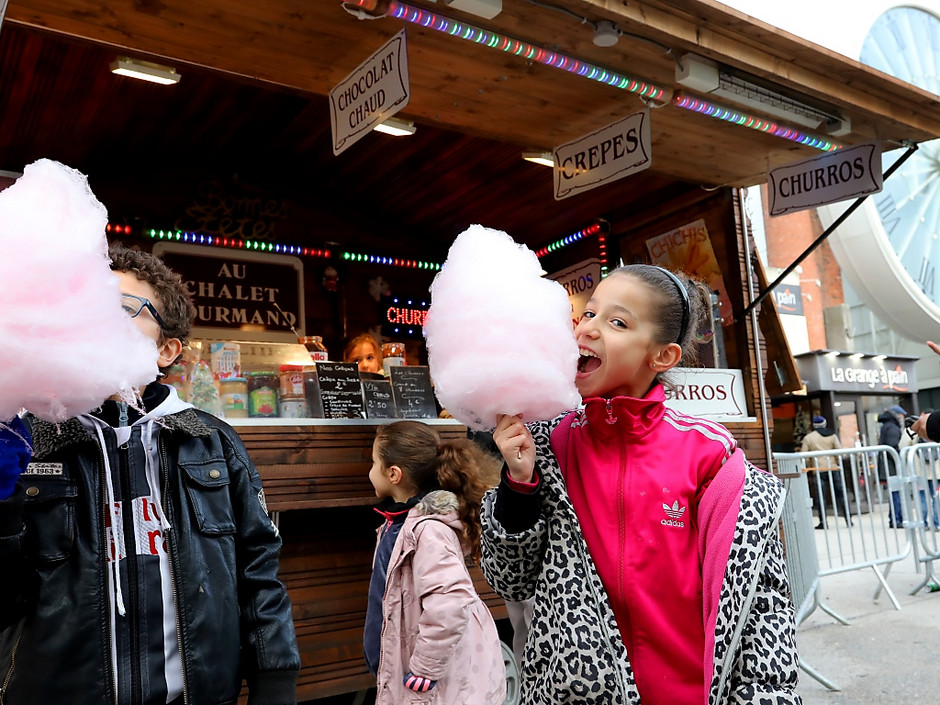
(826, 233)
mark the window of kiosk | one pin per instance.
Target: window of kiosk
(269, 383)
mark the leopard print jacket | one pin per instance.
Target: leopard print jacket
(574, 653)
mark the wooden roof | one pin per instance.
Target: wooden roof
(255, 76)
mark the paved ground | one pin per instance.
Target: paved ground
(885, 656)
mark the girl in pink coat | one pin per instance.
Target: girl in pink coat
(428, 636)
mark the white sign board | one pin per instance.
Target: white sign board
(828, 178)
(374, 92)
(715, 394)
(579, 281)
(611, 153)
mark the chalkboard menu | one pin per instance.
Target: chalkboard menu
(377, 394)
(414, 397)
(340, 390)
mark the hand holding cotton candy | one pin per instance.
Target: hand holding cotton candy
(500, 338)
(66, 344)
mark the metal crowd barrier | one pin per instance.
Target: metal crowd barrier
(921, 463)
(801, 557)
(860, 498)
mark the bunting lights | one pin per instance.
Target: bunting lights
(530, 52)
(236, 244)
(705, 107)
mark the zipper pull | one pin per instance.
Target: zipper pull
(611, 419)
(122, 414)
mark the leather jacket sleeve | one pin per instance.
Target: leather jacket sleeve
(14, 587)
(270, 656)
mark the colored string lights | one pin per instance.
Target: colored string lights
(392, 261)
(574, 237)
(705, 107)
(530, 52)
(277, 248)
(236, 244)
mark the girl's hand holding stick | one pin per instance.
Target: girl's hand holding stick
(516, 445)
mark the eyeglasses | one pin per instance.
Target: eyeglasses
(135, 304)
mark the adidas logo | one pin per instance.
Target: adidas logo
(674, 513)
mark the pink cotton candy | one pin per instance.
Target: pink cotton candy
(66, 344)
(499, 335)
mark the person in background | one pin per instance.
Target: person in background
(928, 425)
(649, 543)
(366, 352)
(890, 435)
(139, 562)
(428, 636)
(825, 468)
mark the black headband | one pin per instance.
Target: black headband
(686, 306)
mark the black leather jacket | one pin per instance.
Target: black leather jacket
(233, 614)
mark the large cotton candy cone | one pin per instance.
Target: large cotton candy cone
(66, 344)
(499, 335)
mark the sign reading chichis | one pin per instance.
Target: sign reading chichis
(611, 153)
(374, 92)
(828, 178)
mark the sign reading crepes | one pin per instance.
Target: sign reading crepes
(375, 91)
(716, 394)
(828, 178)
(259, 295)
(611, 153)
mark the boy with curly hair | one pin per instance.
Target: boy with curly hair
(139, 562)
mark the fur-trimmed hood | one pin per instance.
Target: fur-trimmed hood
(50, 437)
(437, 502)
(440, 505)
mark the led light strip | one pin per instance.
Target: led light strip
(699, 105)
(236, 244)
(462, 30)
(527, 51)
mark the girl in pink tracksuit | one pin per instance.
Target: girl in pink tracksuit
(648, 542)
(428, 637)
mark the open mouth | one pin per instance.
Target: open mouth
(588, 361)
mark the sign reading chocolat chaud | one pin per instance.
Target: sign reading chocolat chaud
(259, 295)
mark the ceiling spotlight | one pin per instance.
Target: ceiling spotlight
(145, 71)
(543, 158)
(707, 77)
(396, 126)
(482, 8)
(606, 34)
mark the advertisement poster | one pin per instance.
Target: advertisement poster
(689, 249)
